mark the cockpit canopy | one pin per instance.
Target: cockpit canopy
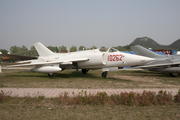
(108, 50)
(112, 50)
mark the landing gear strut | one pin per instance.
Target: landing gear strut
(173, 74)
(84, 71)
(104, 74)
(50, 74)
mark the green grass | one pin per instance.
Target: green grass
(93, 79)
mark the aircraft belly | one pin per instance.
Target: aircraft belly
(91, 67)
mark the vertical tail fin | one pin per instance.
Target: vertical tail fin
(42, 50)
(139, 50)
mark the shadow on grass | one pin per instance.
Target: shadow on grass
(119, 80)
(64, 74)
(74, 74)
(78, 74)
(150, 73)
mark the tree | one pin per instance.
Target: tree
(14, 49)
(52, 48)
(23, 48)
(32, 48)
(73, 49)
(62, 48)
(104, 49)
(82, 48)
(93, 47)
(3, 51)
(57, 50)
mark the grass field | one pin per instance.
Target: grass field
(91, 80)
(45, 109)
(49, 109)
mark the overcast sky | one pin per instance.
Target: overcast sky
(87, 22)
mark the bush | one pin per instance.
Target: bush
(177, 97)
(147, 98)
(3, 96)
(124, 98)
(164, 98)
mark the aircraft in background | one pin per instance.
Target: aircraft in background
(111, 60)
(26, 55)
(163, 63)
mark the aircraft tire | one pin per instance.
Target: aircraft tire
(104, 74)
(84, 71)
(173, 74)
(50, 74)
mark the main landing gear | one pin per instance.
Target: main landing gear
(50, 74)
(84, 71)
(104, 74)
(173, 74)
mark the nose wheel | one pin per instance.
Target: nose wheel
(50, 74)
(173, 74)
(84, 71)
(104, 74)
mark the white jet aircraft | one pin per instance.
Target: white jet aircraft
(111, 60)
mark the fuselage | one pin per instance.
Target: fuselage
(111, 60)
(97, 59)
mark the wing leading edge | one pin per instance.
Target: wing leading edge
(159, 65)
(64, 62)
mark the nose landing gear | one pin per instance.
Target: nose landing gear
(50, 74)
(104, 74)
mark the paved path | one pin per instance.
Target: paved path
(55, 92)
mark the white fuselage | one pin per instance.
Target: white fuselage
(97, 59)
(112, 59)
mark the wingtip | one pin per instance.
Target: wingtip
(37, 43)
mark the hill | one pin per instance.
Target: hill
(146, 42)
(150, 43)
(175, 45)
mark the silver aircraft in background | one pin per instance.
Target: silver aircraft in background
(111, 60)
(163, 63)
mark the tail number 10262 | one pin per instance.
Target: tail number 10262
(115, 57)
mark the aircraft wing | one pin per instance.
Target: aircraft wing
(64, 62)
(163, 65)
(18, 57)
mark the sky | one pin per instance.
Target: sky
(86, 23)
